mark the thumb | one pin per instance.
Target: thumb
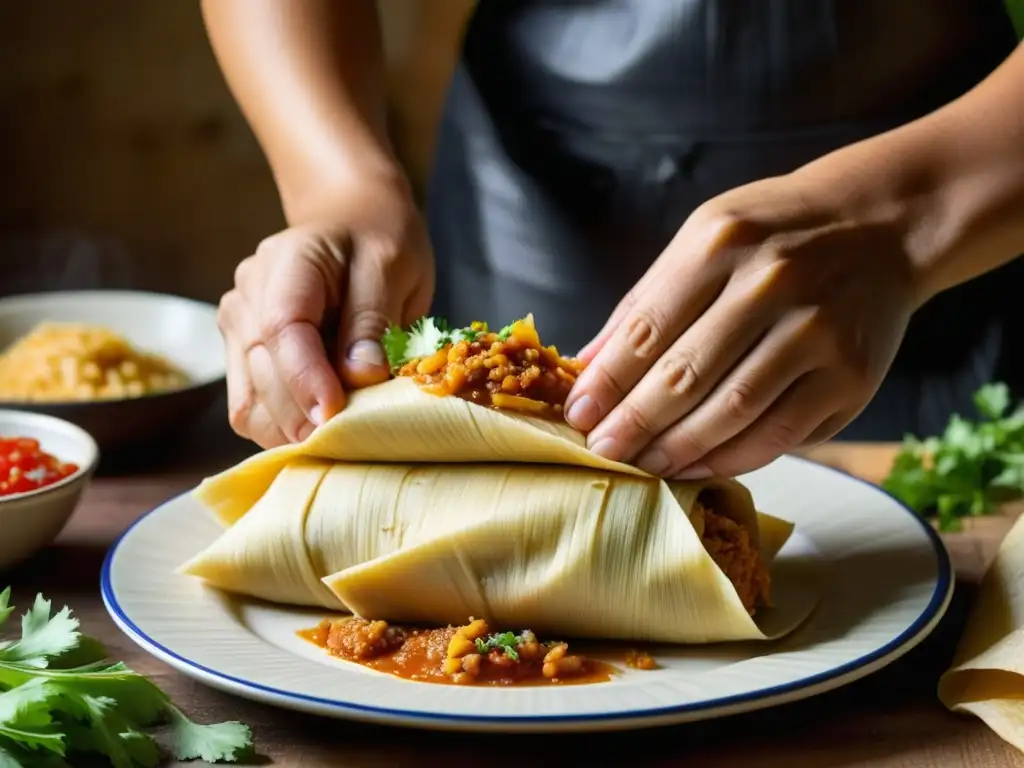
(370, 305)
(294, 298)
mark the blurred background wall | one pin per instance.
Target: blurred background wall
(125, 162)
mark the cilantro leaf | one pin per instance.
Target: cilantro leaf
(215, 743)
(462, 334)
(508, 642)
(992, 400)
(59, 695)
(395, 341)
(27, 707)
(32, 740)
(5, 605)
(107, 732)
(42, 636)
(7, 756)
(969, 469)
(424, 337)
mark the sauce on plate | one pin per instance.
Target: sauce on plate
(466, 655)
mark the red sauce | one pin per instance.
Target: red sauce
(24, 466)
(423, 655)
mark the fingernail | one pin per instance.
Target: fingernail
(368, 353)
(654, 462)
(695, 472)
(584, 414)
(609, 448)
(317, 415)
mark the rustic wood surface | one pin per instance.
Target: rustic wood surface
(891, 719)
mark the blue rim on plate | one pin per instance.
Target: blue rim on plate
(892, 650)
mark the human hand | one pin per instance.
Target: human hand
(767, 324)
(365, 259)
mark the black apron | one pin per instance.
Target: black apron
(577, 136)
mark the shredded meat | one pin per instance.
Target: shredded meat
(733, 550)
(359, 639)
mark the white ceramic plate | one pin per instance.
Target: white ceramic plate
(882, 578)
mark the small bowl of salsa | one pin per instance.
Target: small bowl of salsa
(45, 465)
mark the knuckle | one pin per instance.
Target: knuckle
(243, 275)
(272, 324)
(293, 425)
(781, 436)
(368, 320)
(821, 338)
(272, 244)
(226, 311)
(238, 415)
(740, 403)
(685, 446)
(725, 226)
(608, 381)
(645, 332)
(637, 419)
(777, 271)
(680, 374)
(387, 253)
(827, 430)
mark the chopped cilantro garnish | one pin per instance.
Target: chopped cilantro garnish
(426, 336)
(969, 469)
(62, 699)
(505, 332)
(500, 641)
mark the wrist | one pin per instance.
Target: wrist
(320, 191)
(864, 185)
(952, 195)
(951, 208)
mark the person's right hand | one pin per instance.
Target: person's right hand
(366, 259)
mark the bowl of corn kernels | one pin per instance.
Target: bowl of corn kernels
(126, 366)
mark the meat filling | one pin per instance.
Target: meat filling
(511, 371)
(734, 551)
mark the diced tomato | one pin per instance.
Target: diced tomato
(24, 466)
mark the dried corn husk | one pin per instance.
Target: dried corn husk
(416, 508)
(398, 422)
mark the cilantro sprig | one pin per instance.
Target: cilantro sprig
(61, 699)
(969, 469)
(506, 642)
(427, 335)
(422, 339)
(500, 641)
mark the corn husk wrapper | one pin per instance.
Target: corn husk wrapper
(417, 508)
(986, 677)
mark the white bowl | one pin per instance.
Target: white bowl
(29, 521)
(181, 330)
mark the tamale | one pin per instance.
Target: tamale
(583, 553)
(410, 506)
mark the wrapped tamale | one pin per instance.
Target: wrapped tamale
(425, 506)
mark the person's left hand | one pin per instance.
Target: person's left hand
(767, 325)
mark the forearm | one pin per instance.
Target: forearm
(309, 77)
(953, 181)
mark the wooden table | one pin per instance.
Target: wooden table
(892, 718)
